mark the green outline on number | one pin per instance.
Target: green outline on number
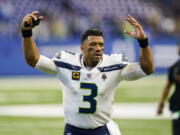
(88, 95)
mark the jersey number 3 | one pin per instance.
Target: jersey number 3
(89, 98)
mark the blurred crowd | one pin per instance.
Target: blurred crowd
(69, 18)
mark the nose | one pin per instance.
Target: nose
(98, 47)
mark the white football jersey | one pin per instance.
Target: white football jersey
(88, 94)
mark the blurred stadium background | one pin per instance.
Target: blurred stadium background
(65, 21)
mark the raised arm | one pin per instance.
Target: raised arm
(30, 50)
(146, 59)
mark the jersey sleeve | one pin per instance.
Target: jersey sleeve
(132, 71)
(46, 65)
(116, 58)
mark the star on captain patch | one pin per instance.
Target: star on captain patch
(104, 77)
(75, 75)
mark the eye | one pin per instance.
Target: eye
(101, 44)
(92, 44)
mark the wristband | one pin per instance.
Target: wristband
(26, 33)
(143, 43)
(34, 23)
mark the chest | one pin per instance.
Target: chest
(90, 76)
(72, 78)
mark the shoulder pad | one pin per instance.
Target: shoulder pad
(58, 55)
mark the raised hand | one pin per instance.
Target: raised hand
(31, 20)
(137, 31)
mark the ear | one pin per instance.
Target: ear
(82, 48)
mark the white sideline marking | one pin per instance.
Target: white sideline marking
(124, 110)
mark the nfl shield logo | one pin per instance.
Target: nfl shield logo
(89, 75)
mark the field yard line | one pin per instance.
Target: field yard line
(122, 111)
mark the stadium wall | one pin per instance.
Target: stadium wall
(13, 63)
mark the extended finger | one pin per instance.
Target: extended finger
(130, 21)
(41, 17)
(35, 13)
(134, 23)
(132, 18)
(34, 17)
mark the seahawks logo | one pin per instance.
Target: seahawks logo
(58, 55)
(124, 58)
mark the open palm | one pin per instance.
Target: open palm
(137, 31)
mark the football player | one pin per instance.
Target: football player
(88, 80)
(173, 79)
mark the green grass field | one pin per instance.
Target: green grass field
(47, 91)
(54, 126)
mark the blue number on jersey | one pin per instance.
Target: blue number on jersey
(89, 98)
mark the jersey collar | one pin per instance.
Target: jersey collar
(89, 68)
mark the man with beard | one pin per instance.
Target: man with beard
(88, 80)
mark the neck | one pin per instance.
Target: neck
(88, 63)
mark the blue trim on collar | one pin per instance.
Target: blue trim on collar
(67, 65)
(112, 67)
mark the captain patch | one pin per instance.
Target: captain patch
(75, 75)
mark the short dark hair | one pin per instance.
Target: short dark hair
(90, 32)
